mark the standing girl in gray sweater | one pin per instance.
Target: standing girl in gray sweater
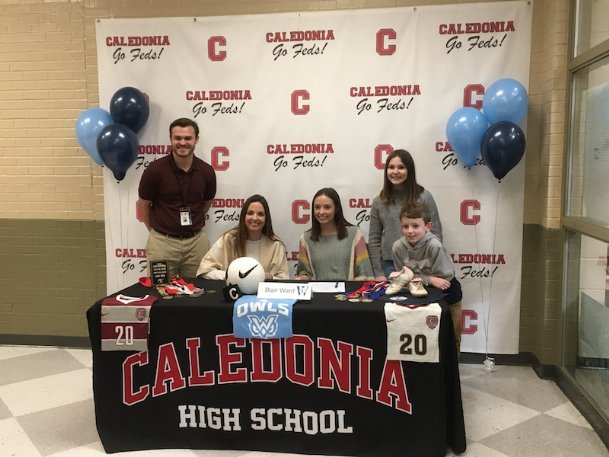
(399, 186)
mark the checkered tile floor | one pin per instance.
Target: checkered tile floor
(46, 409)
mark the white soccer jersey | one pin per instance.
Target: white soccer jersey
(412, 332)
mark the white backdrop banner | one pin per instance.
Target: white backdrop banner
(292, 102)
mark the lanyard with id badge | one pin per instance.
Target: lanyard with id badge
(185, 217)
(185, 213)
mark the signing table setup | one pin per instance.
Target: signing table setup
(350, 379)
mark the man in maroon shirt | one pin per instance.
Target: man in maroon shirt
(175, 193)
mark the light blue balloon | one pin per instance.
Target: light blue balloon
(505, 100)
(88, 126)
(464, 131)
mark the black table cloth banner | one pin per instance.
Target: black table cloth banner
(326, 390)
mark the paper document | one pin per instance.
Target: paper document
(328, 287)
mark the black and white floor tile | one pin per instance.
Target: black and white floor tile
(46, 410)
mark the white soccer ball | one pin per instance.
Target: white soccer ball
(245, 272)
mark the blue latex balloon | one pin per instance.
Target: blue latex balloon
(502, 147)
(129, 106)
(505, 100)
(88, 126)
(118, 148)
(464, 131)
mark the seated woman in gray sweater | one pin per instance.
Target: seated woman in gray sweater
(332, 249)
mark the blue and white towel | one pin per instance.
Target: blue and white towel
(263, 318)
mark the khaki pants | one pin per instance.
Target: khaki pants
(455, 314)
(183, 256)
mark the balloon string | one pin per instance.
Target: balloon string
(490, 297)
(480, 281)
(487, 316)
(109, 225)
(124, 211)
(118, 271)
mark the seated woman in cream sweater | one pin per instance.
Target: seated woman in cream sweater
(253, 237)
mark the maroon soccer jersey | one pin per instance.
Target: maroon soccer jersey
(124, 323)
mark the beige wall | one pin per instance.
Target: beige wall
(48, 75)
(541, 319)
(549, 61)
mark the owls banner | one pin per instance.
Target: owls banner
(289, 103)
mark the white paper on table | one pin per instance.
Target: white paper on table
(336, 287)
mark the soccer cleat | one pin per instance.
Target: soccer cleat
(399, 279)
(415, 286)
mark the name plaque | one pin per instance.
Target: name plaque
(288, 290)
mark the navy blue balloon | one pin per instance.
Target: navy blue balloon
(502, 147)
(129, 106)
(117, 146)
